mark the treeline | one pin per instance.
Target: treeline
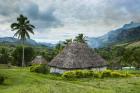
(120, 56)
(13, 54)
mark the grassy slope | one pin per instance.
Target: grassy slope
(22, 81)
(135, 44)
(130, 45)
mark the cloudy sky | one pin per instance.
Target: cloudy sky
(61, 19)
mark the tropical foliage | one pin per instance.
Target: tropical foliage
(28, 55)
(80, 38)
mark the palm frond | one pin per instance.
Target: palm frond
(27, 35)
(14, 26)
(17, 33)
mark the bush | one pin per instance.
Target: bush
(97, 74)
(106, 73)
(68, 74)
(78, 74)
(39, 69)
(89, 73)
(128, 75)
(1, 79)
(117, 74)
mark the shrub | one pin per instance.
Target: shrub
(1, 79)
(117, 74)
(39, 68)
(89, 73)
(78, 74)
(69, 74)
(106, 73)
(128, 75)
(97, 74)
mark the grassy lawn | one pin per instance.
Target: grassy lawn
(23, 81)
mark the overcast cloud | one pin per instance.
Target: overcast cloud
(60, 19)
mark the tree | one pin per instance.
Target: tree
(22, 28)
(58, 48)
(29, 55)
(80, 38)
(5, 57)
(136, 55)
(67, 42)
(49, 54)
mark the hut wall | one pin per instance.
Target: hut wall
(61, 71)
(57, 70)
(100, 68)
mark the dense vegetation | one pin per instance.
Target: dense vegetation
(94, 74)
(42, 68)
(117, 56)
(14, 54)
(121, 55)
(1, 79)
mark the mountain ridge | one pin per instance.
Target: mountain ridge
(127, 33)
(15, 41)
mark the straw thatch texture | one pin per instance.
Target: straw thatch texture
(77, 56)
(39, 60)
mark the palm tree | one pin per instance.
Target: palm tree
(22, 28)
(67, 42)
(80, 38)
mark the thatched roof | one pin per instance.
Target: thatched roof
(77, 56)
(39, 60)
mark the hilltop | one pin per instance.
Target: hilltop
(128, 33)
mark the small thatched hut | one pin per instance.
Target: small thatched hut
(77, 56)
(39, 60)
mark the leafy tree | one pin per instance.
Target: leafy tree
(22, 28)
(59, 47)
(67, 42)
(29, 55)
(80, 38)
(4, 57)
(49, 54)
(136, 56)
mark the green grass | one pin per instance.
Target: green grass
(129, 45)
(135, 44)
(23, 81)
(5, 66)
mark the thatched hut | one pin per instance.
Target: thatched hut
(77, 56)
(39, 60)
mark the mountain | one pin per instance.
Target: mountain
(127, 33)
(46, 44)
(15, 41)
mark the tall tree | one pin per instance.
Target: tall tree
(22, 28)
(80, 38)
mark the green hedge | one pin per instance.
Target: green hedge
(89, 73)
(106, 73)
(1, 79)
(80, 74)
(39, 68)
